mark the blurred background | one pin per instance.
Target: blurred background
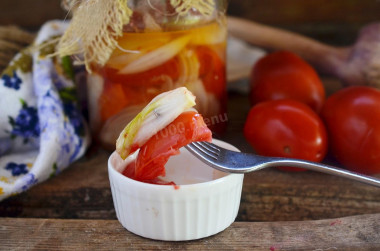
(331, 21)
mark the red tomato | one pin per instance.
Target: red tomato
(352, 117)
(213, 76)
(112, 100)
(283, 74)
(212, 71)
(154, 154)
(286, 128)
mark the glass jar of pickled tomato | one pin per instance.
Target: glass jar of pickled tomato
(163, 47)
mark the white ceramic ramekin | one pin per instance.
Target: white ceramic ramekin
(205, 202)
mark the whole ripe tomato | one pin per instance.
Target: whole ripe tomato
(352, 117)
(283, 74)
(286, 128)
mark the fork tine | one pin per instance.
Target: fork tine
(197, 152)
(205, 150)
(201, 152)
(211, 146)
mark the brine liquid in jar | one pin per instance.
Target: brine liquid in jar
(160, 51)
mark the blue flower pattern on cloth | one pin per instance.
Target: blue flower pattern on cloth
(17, 169)
(26, 124)
(41, 130)
(12, 81)
(75, 117)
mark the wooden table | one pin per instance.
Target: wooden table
(279, 210)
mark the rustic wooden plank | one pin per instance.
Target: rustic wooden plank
(283, 12)
(313, 11)
(334, 22)
(350, 233)
(304, 196)
(29, 14)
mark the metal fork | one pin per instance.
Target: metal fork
(238, 162)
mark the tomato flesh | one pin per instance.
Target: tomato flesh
(286, 128)
(153, 155)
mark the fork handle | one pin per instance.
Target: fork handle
(275, 162)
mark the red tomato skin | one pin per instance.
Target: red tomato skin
(283, 74)
(352, 118)
(286, 128)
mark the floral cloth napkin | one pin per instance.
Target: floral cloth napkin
(42, 130)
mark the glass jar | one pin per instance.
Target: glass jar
(161, 50)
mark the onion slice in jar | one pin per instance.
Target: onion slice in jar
(189, 67)
(206, 102)
(213, 33)
(156, 57)
(115, 124)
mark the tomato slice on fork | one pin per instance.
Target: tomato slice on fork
(153, 155)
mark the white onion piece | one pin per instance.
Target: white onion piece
(159, 113)
(156, 57)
